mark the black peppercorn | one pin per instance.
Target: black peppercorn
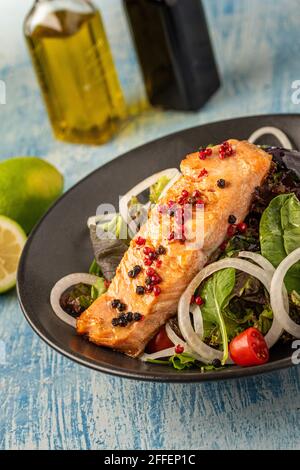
(216, 363)
(115, 303)
(137, 269)
(140, 290)
(161, 250)
(221, 183)
(129, 316)
(137, 316)
(123, 320)
(121, 307)
(232, 219)
(115, 322)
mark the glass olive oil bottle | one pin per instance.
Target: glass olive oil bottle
(75, 69)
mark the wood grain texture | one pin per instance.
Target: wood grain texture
(48, 402)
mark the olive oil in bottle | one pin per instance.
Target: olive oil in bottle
(75, 69)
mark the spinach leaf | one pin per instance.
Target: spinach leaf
(271, 231)
(280, 234)
(215, 293)
(290, 216)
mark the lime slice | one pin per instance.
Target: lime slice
(12, 240)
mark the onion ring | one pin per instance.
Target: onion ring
(280, 312)
(61, 286)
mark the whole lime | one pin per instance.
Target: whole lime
(28, 187)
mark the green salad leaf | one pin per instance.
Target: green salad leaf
(81, 296)
(98, 288)
(215, 293)
(247, 242)
(178, 361)
(264, 322)
(280, 234)
(248, 305)
(108, 253)
(295, 307)
(290, 217)
(182, 361)
(295, 298)
(85, 301)
(95, 268)
(157, 188)
(245, 304)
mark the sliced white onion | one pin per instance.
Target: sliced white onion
(61, 286)
(158, 355)
(258, 259)
(186, 328)
(171, 351)
(198, 320)
(280, 311)
(278, 133)
(171, 173)
(272, 335)
(177, 340)
(174, 337)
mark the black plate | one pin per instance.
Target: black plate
(60, 245)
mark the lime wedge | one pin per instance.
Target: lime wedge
(12, 240)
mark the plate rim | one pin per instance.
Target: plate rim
(172, 376)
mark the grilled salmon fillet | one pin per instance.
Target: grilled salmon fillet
(226, 187)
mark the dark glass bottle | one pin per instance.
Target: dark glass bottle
(175, 52)
(75, 69)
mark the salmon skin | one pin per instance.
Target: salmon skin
(177, 261)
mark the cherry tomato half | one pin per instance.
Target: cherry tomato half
(159, 342)
(249, 348)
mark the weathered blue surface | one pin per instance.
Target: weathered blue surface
(48, 402)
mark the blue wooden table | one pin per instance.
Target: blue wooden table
(47, 401)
